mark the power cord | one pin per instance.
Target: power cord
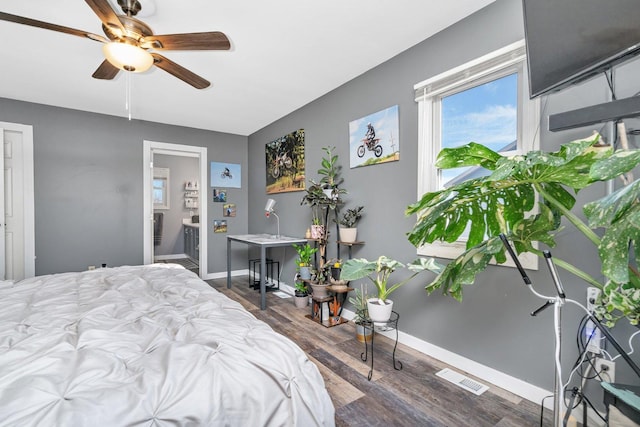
(630, 344)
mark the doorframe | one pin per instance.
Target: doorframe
(28, 194)
(154, 147)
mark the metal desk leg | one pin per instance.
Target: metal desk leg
(263, 273)
(228, 264)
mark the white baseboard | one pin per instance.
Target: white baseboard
(514, 385)
(170, 256)
(223, 274)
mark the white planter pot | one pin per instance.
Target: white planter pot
(348, 235)
(379, 313)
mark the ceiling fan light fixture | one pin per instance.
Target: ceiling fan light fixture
(127, 57)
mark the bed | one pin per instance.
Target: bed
(147, 345)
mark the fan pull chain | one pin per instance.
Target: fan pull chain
(127, 102)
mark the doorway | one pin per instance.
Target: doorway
(163, 149)
(17, 237)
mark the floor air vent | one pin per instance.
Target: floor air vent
(462, 381)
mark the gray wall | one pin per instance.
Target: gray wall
(88, 196)
(88, 185)
(181, 170)
(492, 325)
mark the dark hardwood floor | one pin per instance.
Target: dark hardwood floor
(413, 396)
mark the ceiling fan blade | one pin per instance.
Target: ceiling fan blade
(180, 72)
(105, 71)
(212, 40)
(105, 12)
(48, 26)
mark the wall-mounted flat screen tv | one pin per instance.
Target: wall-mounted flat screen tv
(569, 41)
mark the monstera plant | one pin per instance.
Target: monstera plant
(504, 201)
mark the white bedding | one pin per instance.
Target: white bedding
(145, 346)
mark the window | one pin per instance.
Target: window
(160, 188)
(485, 101)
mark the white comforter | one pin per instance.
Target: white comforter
(146, 346)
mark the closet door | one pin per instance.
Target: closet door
(17, 239)
(6, 235)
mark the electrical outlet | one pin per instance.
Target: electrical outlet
(593, 336)
(592, 296)
(606, 369)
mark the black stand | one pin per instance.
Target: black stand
(389, 325)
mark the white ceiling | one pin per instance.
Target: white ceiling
(285, 54)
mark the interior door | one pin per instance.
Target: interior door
(12, 209)
(3, 228)
(17, 238)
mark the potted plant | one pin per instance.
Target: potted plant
(378, 272)
(320, 282)
(347, 224)
(502, 202)
(324, 197)
(359, 302)
(330, 171)
(301, 294)
(303, 262)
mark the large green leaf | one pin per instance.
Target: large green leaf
(614, 246)
(357, 268)
(605, 211)
(615, 165)
(502, 202)
(462, 270)
(471, 154)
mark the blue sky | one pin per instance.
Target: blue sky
(486, 114)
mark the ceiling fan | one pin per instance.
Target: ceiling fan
(130, 43)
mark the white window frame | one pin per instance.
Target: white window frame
(162, 173)
(428, 95)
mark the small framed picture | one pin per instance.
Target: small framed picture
(219, 225)
(220, 195)
(229, 209)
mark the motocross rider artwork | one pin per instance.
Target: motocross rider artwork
(285, 163)
(374, 139)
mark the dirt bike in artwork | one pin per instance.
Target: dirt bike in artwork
(371, 145)
(281, 161)
(370, 142)
(226, 174)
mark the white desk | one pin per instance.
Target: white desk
(264, 241)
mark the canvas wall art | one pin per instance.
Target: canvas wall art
(229, 209)
(219, 225)
(226, 175)
(220, 195)
(374, 139)
(285, 163)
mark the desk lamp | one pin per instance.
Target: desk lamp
(268, 210)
